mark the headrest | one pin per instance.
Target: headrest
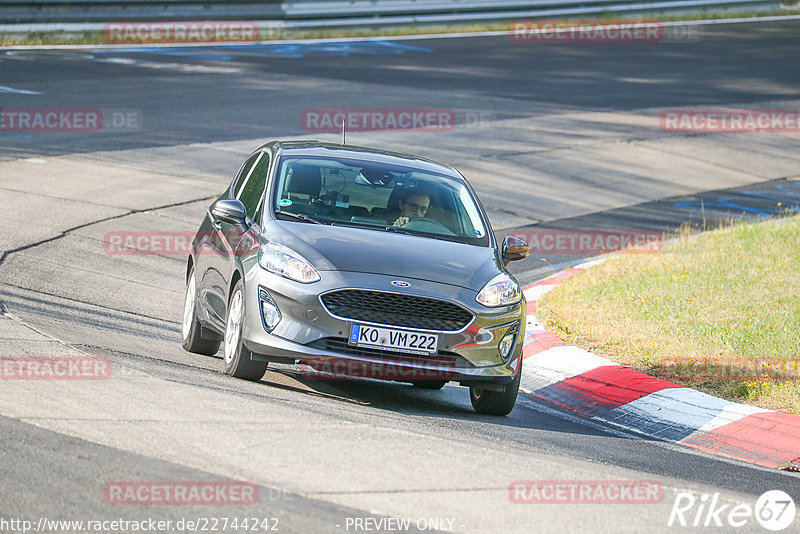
(305, 180)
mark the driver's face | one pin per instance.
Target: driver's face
(414, 206)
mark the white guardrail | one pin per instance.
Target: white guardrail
(90, 15)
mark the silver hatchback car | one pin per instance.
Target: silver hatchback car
(357, 262)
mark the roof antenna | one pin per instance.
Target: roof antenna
(344, 132)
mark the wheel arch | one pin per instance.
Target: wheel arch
(235, 278)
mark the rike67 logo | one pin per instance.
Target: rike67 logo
(774, 510)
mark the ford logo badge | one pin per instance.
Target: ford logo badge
(400, 283)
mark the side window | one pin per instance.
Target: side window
(237, 186)
(254, 188)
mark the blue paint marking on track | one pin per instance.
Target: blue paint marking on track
(277, 50)
(788, 194)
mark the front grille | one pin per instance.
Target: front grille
(394, 309)
(340, 345)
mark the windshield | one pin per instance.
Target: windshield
(378, 196)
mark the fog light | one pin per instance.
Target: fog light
(506, 344)
(270, 315)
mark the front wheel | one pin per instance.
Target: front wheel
(495, 402)
(237, 358)
(191, 331)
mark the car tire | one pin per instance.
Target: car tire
(191, 331)
(429, 384)
(238, 362)
(495, 402)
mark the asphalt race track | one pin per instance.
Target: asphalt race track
(562, 134)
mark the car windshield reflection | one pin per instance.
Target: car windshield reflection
(377, 196)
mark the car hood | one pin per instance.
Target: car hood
(341, 248)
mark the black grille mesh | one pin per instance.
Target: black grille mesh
(393, 309)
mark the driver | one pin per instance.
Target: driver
(414, 205)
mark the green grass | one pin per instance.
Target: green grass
(718, 312)
(96, 38)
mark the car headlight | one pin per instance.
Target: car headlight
(501, 290)
(286, 262)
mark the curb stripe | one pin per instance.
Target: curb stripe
(559, 277)
(729, 414)
(603, 389)
(580, 381)
(768, 439)
(541, 341)
(671, 414)
(554, 365)
(534, 293)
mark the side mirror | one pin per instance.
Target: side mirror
(515, 249)
(230, 211)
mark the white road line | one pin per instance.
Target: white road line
(5, 89)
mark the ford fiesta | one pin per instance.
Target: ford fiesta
(359, 262)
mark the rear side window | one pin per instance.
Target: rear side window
(253, 189)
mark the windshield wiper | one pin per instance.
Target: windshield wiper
(398, 230)
(298, 216)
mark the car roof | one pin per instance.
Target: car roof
(333, 150)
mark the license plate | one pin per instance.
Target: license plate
(394, 340)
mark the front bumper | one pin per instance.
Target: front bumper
(309, 334)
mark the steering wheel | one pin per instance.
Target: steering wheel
(427, 224)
